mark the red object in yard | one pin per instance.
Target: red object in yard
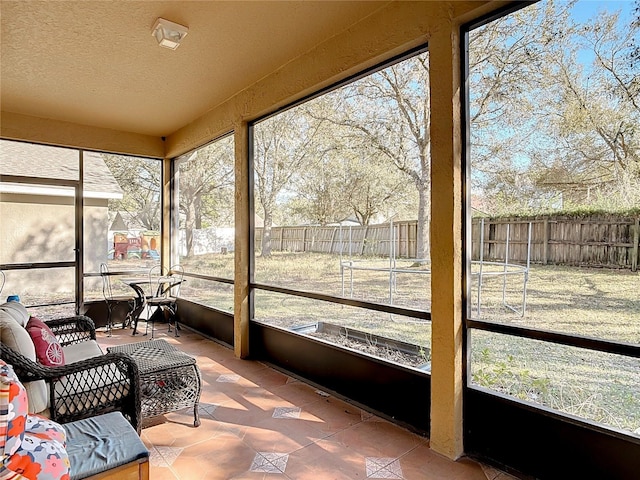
(120, 250)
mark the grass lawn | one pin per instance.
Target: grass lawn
(597, 303)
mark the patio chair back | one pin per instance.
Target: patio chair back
(165, 288)
(155, 273)
(177, 273)
(111, 300)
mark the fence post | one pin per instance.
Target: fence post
(545, 240)
(304, 239)
(333, 239)
(636, 242)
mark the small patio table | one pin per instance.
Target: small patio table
(138, 284)
(169, 378)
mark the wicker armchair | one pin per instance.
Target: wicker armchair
(85, 388)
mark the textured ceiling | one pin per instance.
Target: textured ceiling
(96, 63)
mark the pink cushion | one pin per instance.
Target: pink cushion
(48, 349)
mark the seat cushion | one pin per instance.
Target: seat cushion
(100, 443)
(81, 351)
(16, 337)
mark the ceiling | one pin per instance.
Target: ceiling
(96, 63)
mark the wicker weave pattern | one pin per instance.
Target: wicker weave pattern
(170, 379)
(72, 330)
(86, 388)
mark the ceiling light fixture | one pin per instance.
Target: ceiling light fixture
(168, 34)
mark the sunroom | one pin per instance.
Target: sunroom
(323, 174)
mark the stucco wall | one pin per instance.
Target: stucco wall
(38, 228)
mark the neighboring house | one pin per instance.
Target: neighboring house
(38, 219)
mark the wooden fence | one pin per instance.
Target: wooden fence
(610, 241)
(347, 240)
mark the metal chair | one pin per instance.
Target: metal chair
(112, 301)
(164, 288)
(2, 280)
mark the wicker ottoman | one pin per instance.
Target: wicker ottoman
(169, 379)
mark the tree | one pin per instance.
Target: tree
(596, 123)
(505, 60)
(139, 179)
(546, 124)
(347, 177)
(284, 145)
(385, 116)
(205, 182)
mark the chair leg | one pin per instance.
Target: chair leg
(173, 317)
(109, 325)
(150, 321)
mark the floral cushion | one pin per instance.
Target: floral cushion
(46, 429)
(48, 349)
(13, 411)
(36, 454)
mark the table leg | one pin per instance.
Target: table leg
(139, 305)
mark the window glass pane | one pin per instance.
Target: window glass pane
(601, 387)
(122, 212)
(213, 294)
(38, 223)
(406, 340)
(555, 169)
(205, 195)
(37, 217)
(342, 190)
(40, 289)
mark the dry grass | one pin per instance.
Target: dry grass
(595, 303)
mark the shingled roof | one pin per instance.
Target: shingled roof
(25, 159)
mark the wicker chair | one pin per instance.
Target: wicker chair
(85, 388)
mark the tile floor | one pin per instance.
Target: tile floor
(258, 423)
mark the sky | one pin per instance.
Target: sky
(585, 9)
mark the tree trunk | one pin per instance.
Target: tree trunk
(422, 235)
(189, 223)
(266, 235)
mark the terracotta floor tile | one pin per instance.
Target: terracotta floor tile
(422, 463)
(329, 440)
(268, 436)
(298, 393)
(241, 410)
(325, 460)
(377, 439)
(177, 430)
(162, 473)
(331, 415)
(219, 459)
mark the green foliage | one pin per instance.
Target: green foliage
(505, 376)
(576, 212)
